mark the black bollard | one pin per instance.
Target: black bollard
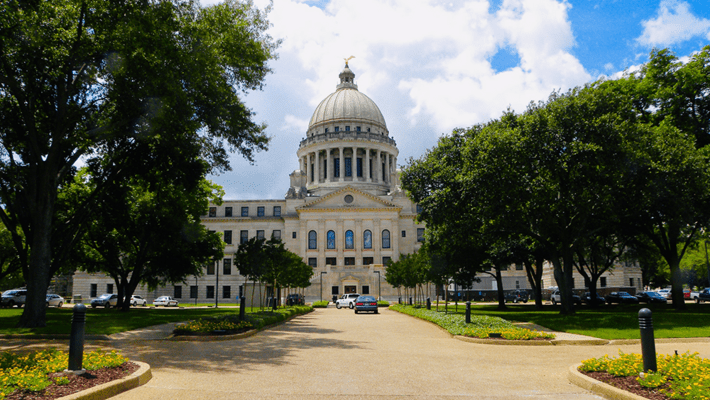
(76, 340)
(428, 303)
(468, 312)
(242, 308)
(648, 345)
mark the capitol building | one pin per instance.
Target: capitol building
(344, 212)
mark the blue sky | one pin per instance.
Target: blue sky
(432, 66)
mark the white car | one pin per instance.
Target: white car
(138, 301)
(55, 300)
(666, 293)
(346, 300)
(166, 301)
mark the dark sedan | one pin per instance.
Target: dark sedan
(366, 303)
(651, 297)
(587, 299)
(621, 298)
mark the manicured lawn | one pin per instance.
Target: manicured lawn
(606, 322)
(101, 321)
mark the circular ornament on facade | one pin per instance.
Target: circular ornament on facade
(348, 199)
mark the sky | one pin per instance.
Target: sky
(432, 66)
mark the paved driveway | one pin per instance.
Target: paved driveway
(336, 354)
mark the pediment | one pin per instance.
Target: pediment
(348, 198)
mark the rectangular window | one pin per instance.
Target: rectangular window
(243, 236)
(386, 260)
(330, 261)
(348, 167)
(326, 130)
(368, 260)
(227, 266)
(227, 211)
(420, 235)
(337, 129)
(276, 234)
(259, 234)
(245, 211)
(349, 260)
(631, 282)
(313, 262)
(519, 267)
(260, 211)
(177, 292)
(277, 211)
(293, 235)
(312, 173)
(347, 128)
(210, 268)
(357, 128)
(210, 292)
(365, 289)
(109, 288)
(336, 168)
(517, 284)
(226, 292)
(335, 290)
(359, 166)
(94, 289)
(404, 233)
(213, 212)
(419, 209)
(193, 292)
(369, 168)
(228, 237)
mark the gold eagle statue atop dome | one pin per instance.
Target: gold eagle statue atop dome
(348, 59)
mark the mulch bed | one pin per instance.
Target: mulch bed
(77, 383)
(629, 384)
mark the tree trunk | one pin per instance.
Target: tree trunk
(499, 287)
(37, 275)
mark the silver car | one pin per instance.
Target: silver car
(15, 297)
(55, 300)
(347, 300)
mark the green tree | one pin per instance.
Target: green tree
(119, 85)
(249, 260)
(10, 267)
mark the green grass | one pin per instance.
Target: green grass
(606, 322)
(101, 321)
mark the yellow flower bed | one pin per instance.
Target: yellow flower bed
(508, 333)
(687, 375)
(209, 325)
(29, 371)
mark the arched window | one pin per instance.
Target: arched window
(312, 240)
(385, 239)
(331, 239)
(367, 240)
(349, 240)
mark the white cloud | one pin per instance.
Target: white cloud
(295, 124)
(675, 23)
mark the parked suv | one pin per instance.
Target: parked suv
(517, 295)
(295, 299)
(704, 295)
(557, 298)
(107, 300)
(347, 300)
(15, 297)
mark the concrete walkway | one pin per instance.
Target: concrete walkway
(334, 353)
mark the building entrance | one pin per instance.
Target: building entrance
(350, 289)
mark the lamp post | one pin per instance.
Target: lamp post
(321, 284)
(379, 286)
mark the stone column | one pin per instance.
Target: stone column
(339, 239)
(308, 167)
(354, 164)
(317, 166)
(342, 164)
(366, 166)
(358, 239)
(377, 240)
(329, 169)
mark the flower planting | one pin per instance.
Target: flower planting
(208, 325)
(30, 372)
(480, 327)
(685, 376)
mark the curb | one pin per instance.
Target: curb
(110, 389)
(607, 391)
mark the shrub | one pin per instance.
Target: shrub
(212, 324)
(320, 304)
(383, 303)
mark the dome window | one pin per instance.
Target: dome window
(347, 128)
(357, 128)
(368, 129)
(337, 129)
(326, 130)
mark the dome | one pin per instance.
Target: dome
(347, 104)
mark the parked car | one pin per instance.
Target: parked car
(55, 300)
(587, 298)
(557, 298)
(517, 295)
(347, 300)
(166, 301)
(651, 297)
(294, 299)
(14, 297)
(366, 303)
(703, 295)
(138, 301)
(621, 298)
(666, 293)
(107, 300)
